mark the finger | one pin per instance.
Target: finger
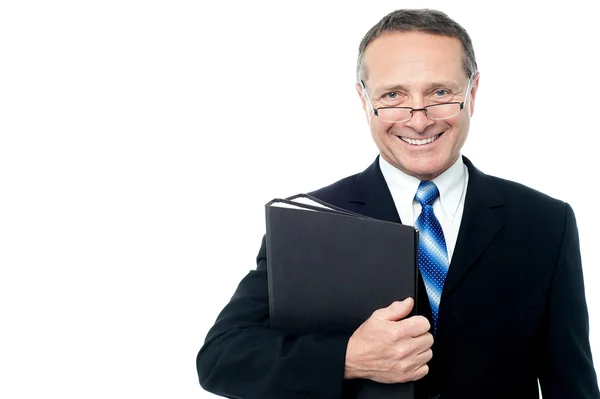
(420, 372)
(412, 348)
(415, 326)
(424, 357)
(422, 342)
(396, 311)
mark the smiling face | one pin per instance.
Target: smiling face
(414, 69)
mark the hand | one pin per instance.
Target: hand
(389, 348)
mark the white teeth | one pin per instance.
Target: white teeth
(420, 142)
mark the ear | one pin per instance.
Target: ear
(360, 92)
(367, 109)
(474, 88)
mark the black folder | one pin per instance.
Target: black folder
(329, 269)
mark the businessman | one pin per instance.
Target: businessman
(501, 276)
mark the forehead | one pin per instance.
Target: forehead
(413, 58)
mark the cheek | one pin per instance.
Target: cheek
(379, 130)
(460, 126)
(462, 130)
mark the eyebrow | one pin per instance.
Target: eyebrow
(430, 86)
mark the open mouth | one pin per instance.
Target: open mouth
(420, 142)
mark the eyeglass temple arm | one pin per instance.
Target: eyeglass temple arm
(368, 97)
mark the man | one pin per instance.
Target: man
(501, 271)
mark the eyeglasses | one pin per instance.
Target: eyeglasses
(436, 112)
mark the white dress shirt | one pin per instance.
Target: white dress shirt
(448, 207)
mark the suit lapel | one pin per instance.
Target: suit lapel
(371, 196)
(478, 228)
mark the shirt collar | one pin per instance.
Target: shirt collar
(450, 184)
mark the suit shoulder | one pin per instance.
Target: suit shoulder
(526, 197)
(336, 192)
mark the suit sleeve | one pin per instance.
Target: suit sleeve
(567, 370)
(243, 358)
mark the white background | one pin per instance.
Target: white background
(140, 140)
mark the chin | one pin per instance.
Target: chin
(424, 170)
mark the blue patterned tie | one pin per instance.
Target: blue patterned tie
(433, 255)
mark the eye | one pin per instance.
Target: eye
(392, 98)
(441, 93)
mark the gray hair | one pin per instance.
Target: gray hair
(428, 21)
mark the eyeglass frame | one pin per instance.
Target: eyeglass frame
(424, 109)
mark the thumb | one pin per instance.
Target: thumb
(397, 310)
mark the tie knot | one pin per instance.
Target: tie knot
(427, 193)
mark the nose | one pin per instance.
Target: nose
(419, 120)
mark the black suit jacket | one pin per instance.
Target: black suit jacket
(513, 308)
